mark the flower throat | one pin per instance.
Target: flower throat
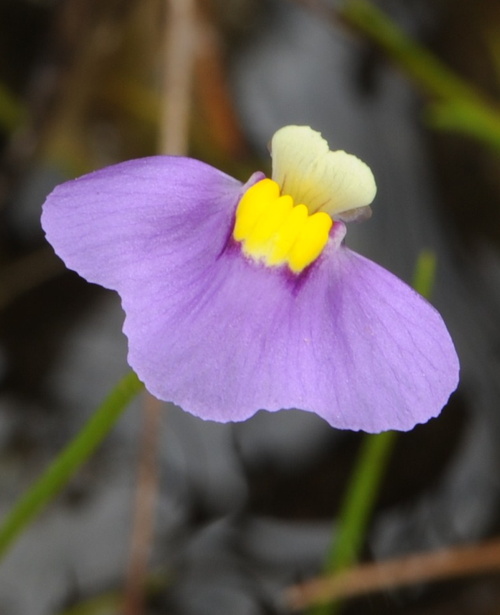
(275, 232)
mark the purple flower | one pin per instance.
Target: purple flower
(243, 297)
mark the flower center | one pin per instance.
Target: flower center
(274, 231)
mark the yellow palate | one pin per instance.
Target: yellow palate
(287, 234)
(252, 205)
(274, 231)
(312, 239)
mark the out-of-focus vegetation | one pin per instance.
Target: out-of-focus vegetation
(83, 85)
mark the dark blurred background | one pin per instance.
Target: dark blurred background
(243, 510)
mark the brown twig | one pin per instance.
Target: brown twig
(212, 89)
(180, 51)
(369, 578)
(145, 505)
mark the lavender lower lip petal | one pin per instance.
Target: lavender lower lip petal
(240, 298)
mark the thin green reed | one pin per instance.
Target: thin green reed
(454, 104)
(359, 501)
(355, 512)
(68, 461)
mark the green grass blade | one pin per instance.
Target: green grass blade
(360, 498)
(68, 461)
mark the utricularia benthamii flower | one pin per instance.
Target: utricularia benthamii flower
(244, 297)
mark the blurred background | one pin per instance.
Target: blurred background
(243, 511)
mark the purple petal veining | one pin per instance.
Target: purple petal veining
(224, 337)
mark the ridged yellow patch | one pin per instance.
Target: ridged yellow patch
(274, 231)
(326, 185)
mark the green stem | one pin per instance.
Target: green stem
(357, 507)
(425, 273)
(457, 105)
(359, 500)
(68, 461)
